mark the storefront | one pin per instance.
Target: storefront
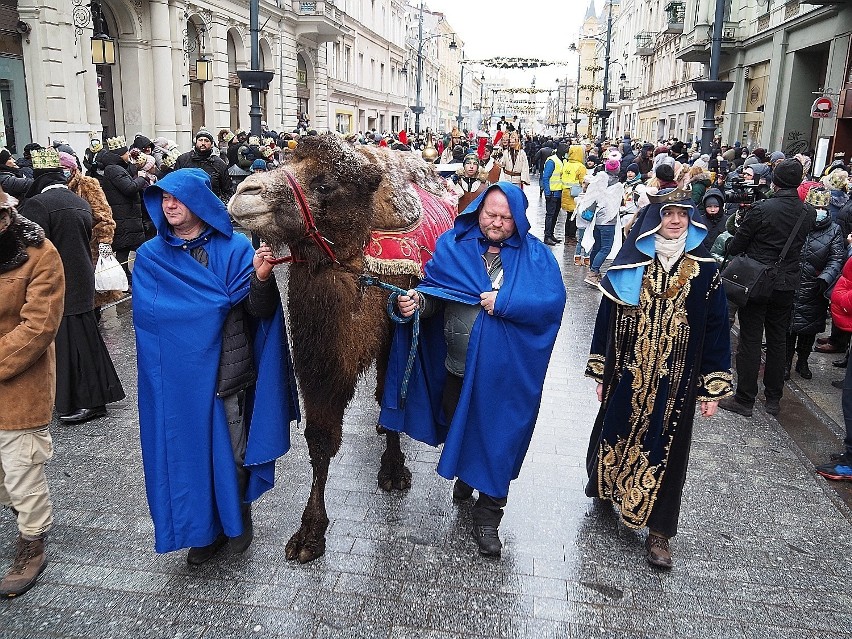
(14, 115)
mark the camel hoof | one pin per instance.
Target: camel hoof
(304, 550)
(394, 478)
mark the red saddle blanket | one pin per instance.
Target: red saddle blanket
(406, 251)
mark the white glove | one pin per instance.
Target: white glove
(105, 250)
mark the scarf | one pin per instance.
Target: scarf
(669, 251)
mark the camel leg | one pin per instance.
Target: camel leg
(393, 473)
(309, 542)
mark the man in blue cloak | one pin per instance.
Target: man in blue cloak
(492, 300)
(216, 389)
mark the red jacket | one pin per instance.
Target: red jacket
(806, 186)
(841, 299)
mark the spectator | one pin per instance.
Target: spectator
(12, 179)
(822, 259)
(604, 196)
(32, 288)
(714, 214)
(762, 236)
(202, 157)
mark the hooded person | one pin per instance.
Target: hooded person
(573, 174)
(714, 215)
(661, 343)
(207, 309)
(491, 291)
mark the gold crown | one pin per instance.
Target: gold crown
(818, 197)
(118, 142)
(170, 158)
(254, 141)
(670, 197)
(45, 159)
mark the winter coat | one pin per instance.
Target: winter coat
(606, 198)
(212, 165)
(822, 260)
(32, 287)
(103, 226)
(14, 182)
(699, 185)
(715, 225)
(67, 222)
(123, 193)
(844, 219)
(765, 228)
(841, 299)
(573, 172)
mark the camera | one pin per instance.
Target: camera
(743, 193)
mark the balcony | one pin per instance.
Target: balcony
(696, 44)
(644, 44)
(319, 21)
(675, 12)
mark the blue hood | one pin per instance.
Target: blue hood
(192, 187)
(468, 220)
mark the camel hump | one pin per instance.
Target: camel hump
(407, 182)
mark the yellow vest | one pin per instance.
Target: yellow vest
(556, 176)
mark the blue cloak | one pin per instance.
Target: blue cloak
(507, 355)
(179, 308)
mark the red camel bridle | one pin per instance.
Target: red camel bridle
(311, 230)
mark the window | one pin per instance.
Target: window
(361, 70)
(381, 77)
(335, 55)
(347, 61)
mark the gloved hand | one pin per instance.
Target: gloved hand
(105, 250)
(822, 285)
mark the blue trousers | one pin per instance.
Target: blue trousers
(604, 237)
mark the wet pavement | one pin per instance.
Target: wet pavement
(764, 550)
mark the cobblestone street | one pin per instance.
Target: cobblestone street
(764, 548)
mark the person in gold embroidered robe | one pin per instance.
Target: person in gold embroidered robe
(661, 343)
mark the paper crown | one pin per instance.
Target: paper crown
(266, 152)
(818, 197)
(118, 142)
(254, 141)
(45, 159)
(670, 197)
(170, 158)
(225, 135)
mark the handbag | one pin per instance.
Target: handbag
(747, 280)
(588, 214)
(109, 276)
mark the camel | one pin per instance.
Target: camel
(343, 212)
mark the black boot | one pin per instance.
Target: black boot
(803, 369)
(202, 554)
(240, 544)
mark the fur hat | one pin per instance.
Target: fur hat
(837, 180)
(204, 133)
(45, 159)
(117, 145)
(818, 197)
(5, 155)
(788, 174)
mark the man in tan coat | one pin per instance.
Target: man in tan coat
(32, 290)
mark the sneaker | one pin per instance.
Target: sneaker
(592, 279)
(587, 261)
(202, 554)
(29, 563)
(731, 404)
(578, 260)
(488, 541)
(840, 363)
(772, 406)
(837, 470)
(658, 553)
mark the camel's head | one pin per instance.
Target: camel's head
(337, 184)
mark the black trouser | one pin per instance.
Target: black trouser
(487, 511)
(846, 402)
(839, 337)
(235, 406)
(801, 344)
(552, 204)
(570, 226)
(123, 256)
(773, 317)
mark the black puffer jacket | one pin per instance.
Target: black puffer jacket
(715, 225)
(123, 192)
(14, 182)
(764, 231)
(212, 165)
(822, 258)
(844, 219)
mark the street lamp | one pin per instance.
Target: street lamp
(461, 89)
(604, 113)
(576, 118)
(418, 108)
(103, 47)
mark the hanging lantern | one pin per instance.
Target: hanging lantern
(203, 70)
(103, 49)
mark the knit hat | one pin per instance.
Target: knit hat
(712, 200)
(4, 156)
(612, 165)
(204, 133)
(818, 197)
(161, 143)
(760, 170)
(633, 167)
(259, 164)
(836, 180)
(67, 161)
(665, 172)
(141, 142)
(45, 159)
(776, 156)
(760, 154)
(788, 174)
(117, 145)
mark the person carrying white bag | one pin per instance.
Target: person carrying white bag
(604, 196)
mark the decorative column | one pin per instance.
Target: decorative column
(161, 52)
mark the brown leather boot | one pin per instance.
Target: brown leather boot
(29, 563)
(658, 553)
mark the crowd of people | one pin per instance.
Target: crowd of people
(655, 225)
